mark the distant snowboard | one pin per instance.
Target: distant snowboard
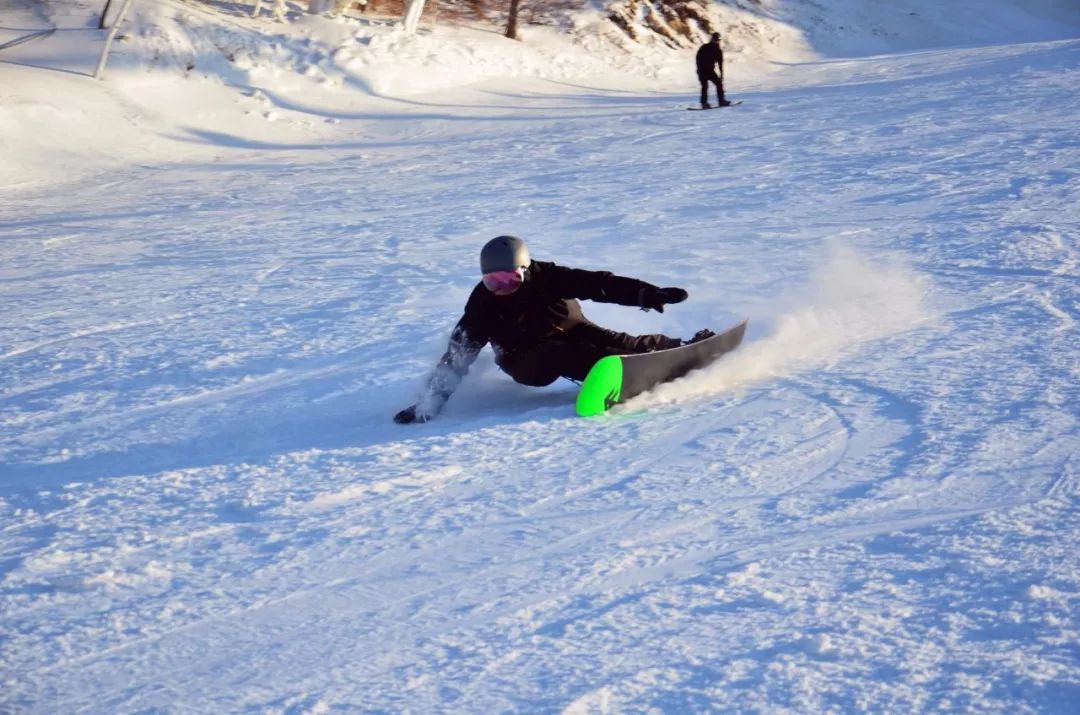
(617, 378)
(716, 106)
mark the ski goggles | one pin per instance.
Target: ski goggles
(504, 282)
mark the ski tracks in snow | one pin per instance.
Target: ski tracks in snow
(870, 506)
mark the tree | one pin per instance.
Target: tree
(512, 19)
(413, 11)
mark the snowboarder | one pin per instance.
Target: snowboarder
(529, 312)
(709, 58)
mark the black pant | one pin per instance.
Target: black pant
(573, 353)
(715, 79)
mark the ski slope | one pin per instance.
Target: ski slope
(872, 506)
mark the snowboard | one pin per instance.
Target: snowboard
(715, 106)
(617, 378)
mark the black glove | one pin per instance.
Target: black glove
(657, 298)
(408, 416)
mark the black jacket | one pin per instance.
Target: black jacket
(543, 308)
(709, 56)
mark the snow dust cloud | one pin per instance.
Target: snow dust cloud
(849, 300)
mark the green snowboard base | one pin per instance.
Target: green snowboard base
(602, 388)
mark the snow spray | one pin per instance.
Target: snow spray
(850, 300)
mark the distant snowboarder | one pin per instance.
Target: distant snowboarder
(528, 311)
(709, 58)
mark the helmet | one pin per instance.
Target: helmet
(504, 253)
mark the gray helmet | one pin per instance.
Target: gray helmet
(504, 253)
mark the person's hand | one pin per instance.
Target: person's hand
(657, 298)
(408, 416)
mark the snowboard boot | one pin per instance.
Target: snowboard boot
(668, 343)
(706, 105)
(703, 334)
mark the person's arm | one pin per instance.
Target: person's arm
(606, 287)
(460, 353)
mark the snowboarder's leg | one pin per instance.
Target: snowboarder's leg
(548, 361)
(616, 343)
(704, 91)
(574, 354)
(721, 99)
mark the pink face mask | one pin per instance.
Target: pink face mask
(504, 282)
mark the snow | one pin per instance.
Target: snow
(220, 282)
